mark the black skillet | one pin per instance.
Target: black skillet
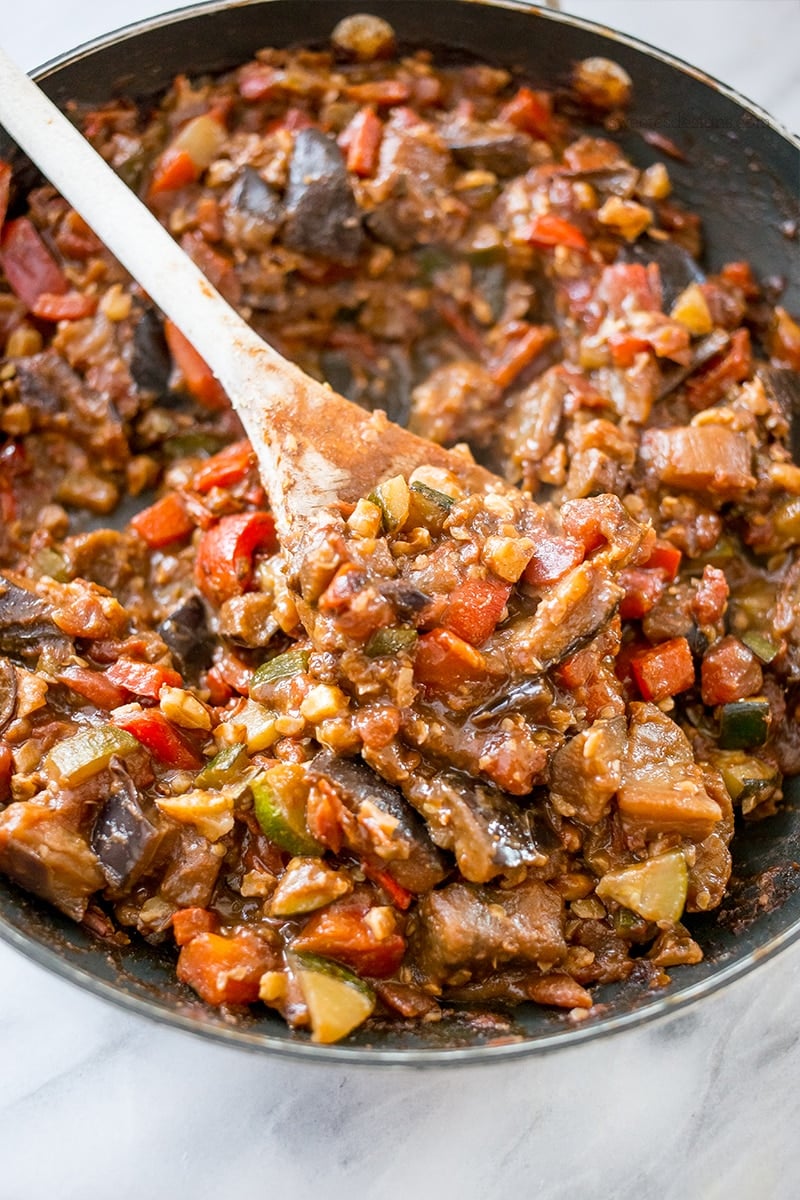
(741, 173)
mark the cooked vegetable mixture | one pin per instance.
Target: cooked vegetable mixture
(487, 748)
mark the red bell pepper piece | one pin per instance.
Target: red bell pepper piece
(521, 348)
(475, 607)
(665, 557)
(224, 563)
(225, 970)
(71, 306)
(94, 686)
(198, 377)
(340, 932)
(188, 923)
(664, 670)
(625, 347)
(551, 230)
(444, 661)
(154, 731)
(28, 265)
(387, 92)
(552, 558)
(6, 771)
(5, 190)
(400, 897)
(224, 469)
(361, 141)
(164, 522)
(642, 590)
(141, 678)
(530, 111)
(175, 169)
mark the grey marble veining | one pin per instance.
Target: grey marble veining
(97, 1104)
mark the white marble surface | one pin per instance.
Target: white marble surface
(96, 1104)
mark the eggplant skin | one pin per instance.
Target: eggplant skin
(25, 621)
(323, 218)
(187, 635)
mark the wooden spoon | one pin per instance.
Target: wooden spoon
(317, 452)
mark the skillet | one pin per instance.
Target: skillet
(739, 172)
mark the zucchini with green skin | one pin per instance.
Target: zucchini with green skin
(86, 753)
(283, 666)
(427, 506)
(392, 498)
(280, 796)
(388, 642)
(750, 782)
(764, 647)
(338, 1001)
(744, 724)
(223, 767)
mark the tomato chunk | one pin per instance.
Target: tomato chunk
(521, 348)
(164, 522)
(475, 608)
(548, 229)
(141, 678)
(444, 661)
(642, 591)
(189, 923)
(6, 771)
(225, 970)
(341, 932)
(224, 564)
(361, 141)
(154, 731)
(730, 672)
(71, 306)
(385, 92)
(94, 686)
(28, 265)
(198, 377)
(552, 558)
(664, 670)
(530, 111)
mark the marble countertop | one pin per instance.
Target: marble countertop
(98, 1103)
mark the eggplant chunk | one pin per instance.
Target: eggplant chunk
(487, 147)
(123, 838)
(586, 771)
(8, 693)
(486, 831)
(41, 852)
(418, 865)
(151, 363)
(466, 932)
(26, 621)
(186, 633)
(253, 195)
(322, 215)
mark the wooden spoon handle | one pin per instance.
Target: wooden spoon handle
(135, 237)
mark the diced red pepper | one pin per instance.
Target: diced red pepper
(153, 730)
(530, 111)
(386, 92)
(711, 598)
(141, 678)
(740, 275)
(341, 932)
(642, 590)
(71, 306)
(225, 970)
(548, 229)
(552, 558)
(522, 348)
(164, 522)
(664, 557)
(219, 690)
(361, 141)
(28, 265)
(175, 169)
(624, 348)
(708, 387)
(94, 686)
(5, 190)
(189, 923)
(224, 564)
(6, 771)
(474, 608)
(197, 375)
(444, 661)
(664, 670)
(225, 469)
(257, 81)
(730, 671)
(400, 897)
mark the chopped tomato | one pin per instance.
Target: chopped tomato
(361, 141)
(141, 678)
(548, 229)
(385, 92)
(664, 557)
(225, 469)
(224, 563)
(225, 970)
(175, 169)
(709, 386)
(198, 377)
(530, 111)
(475, 607)
(740, 275)
(525, 343)
(257, 81)
(6, 771)
(730, 671)
(624, 348)
(219, 690)
(164, 522)
(194, 147)
(94, 686)
(71, 306)
(341, 932)
(642, 590)
(552, 558)
(154, 731)
(28, 265)
(400, 897)
(711, 597)
(189, 923)
(664, 670)
(444, 661)
(5, 190)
